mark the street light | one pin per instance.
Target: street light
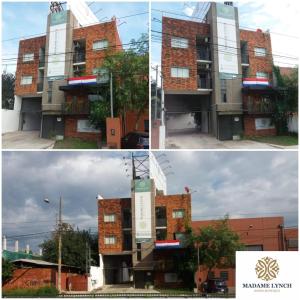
(46, 200)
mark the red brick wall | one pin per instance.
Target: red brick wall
(71, 129)
(290, 233)
(28, 68)
(30, 278)
(111, 206)
(77, 283)
(172, 202)
(177, 57)
(250, 130)
(108, 31)
(131, 118)
(256, 63)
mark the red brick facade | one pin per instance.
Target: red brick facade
(178, 57)
(258, 39)
(105, 229)
(250, 129)
(29, 68)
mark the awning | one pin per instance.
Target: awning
(167, 244)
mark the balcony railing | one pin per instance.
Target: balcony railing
(40, 86)
(126, 223)
(254, 106)
(203, 54)
(204, 83)
(79, 57)
(161, 222)
(245, 58)
(74, 108)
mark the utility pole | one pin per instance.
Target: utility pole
(111, 97)
(59, 244)
(156, 92)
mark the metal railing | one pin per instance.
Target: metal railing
(204, 83)
(253, 106)
(79, 57)
(203, 54)
(70, 108)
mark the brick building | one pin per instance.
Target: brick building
(257, 234)
(60, 73)
(217, 78)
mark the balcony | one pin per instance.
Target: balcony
(161, 222)
(78, 57)
(40, 86)
(204, 83)
(203, 53)
(127, 241)
(76, 108)
(259, 106)
(126, 223)
(245, 58)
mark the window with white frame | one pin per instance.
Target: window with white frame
(180, 72)
(28, 57)
(109, 218)
(26, 80)
(177, 42)
(178, 213)
(110, 240)
(261, 75)
(260, 51)
(100, 45)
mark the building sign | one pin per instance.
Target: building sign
(267, 274)
(143, 209)
(263, 123)
(57, 46)
(227, 43)
(157, 174)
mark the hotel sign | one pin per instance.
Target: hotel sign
(143, 208)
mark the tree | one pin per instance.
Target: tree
(216, 244)
(287, 102)
(7, 270)
(130, 72)
(8, 90)
(74, 247)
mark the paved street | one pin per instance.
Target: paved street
(25, 140)
(205, 141)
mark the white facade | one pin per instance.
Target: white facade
(11, 118)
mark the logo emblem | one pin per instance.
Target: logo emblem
(267, 268)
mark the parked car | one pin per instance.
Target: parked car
(215, 285)
(135, 140)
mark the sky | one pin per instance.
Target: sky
(21, 19)
(280, 17)
(240, 183)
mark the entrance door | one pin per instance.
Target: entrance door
(229, 126)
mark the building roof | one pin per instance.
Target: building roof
(40, 263)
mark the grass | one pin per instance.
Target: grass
(281, 140)
(176, 291)
(75, 143)
(47, 291)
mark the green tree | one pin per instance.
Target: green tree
(130, 72)
(8, 90)
(287, 100)
(74, 247)
(7, 270)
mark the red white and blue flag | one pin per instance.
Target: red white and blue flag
(255, 81)
(92, 79)
(167, 244)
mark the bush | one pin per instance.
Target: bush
(47, 291)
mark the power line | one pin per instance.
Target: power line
(242, 27)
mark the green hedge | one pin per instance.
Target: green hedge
(41, 292)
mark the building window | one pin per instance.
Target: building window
(180, 72)
(177, 42)
(178, 213)
(49, 96)
(86, 126)
(253, 248)
(260, 51)
(139, 252)
(100, 45)
(110, 240)
(161, 234)
(110, 218)
(102, 75)
(26, 80)
(292, 243)
(28, 57)
(224, 275)
(262, 75)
